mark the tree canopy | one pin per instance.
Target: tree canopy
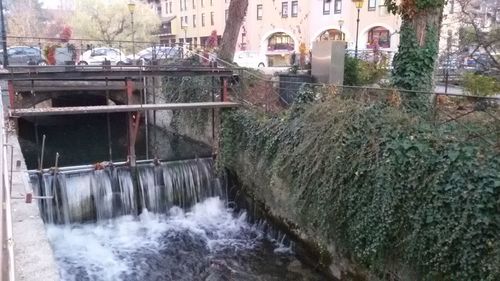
(111, 21)
(25, 18)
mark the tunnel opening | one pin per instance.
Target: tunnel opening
(77, 138)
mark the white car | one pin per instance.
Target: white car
(249, 59)
(97, 56)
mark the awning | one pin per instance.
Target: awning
(167, 19)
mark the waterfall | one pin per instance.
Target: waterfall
(93, 195)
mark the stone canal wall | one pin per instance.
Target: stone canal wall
(34, 259)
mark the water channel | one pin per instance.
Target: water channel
(177, 223)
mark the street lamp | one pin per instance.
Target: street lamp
(4, 36)
(184, 27)
(359, 5)
(131, 9)
(341, 23)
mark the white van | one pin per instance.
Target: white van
(249, 59)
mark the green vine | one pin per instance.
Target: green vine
(414, 65)
(380, 183)
(189, 89)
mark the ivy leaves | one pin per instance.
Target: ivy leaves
(414, 65)
(379, 184)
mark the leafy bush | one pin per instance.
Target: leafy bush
(351, 71)
(358, 72)
(480, 85)
(381, 183)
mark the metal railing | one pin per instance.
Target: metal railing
(47, 51)
(7, 257)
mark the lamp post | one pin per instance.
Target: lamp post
(4, 36)
(131, 9)
(184, 27)
(341, 23)
(359, 5)
(447, 68)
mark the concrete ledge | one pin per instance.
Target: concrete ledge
(34, 259)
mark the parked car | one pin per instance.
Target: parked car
(98, 56)
(160, 54)
(249, 59)
(24, 55)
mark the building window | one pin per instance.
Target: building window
(186, 20)
(326, 7)
(202, 4)
(226, 14)
(337, 9)
(194, 20)
(185, 5)
(170, 6)
(259, 12)
(203, 19)
(372, 5)
(180, 4)
(280, 41)
(194, 4)
(166, 28)
(211, 2)
(452, 6)
(295, 9)
(379, 36)
(284, 9)
(212, 18)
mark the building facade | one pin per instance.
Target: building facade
(278, 28)
(191, 21)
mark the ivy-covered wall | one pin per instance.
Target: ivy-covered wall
(384, 190)
(195, 124)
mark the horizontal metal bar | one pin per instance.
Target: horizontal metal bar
(65, 73)
(72, 88)
(117, 108)
(84, 168)
(32, 197)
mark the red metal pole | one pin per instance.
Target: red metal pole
(224, 89)
(131, 130)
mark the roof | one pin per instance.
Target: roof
(167, 19)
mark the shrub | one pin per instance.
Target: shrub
(480, 85)
(358, 72)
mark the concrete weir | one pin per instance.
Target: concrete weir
(34, 259)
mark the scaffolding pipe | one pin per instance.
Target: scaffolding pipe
(110, 149)
(146, 116)
(40, 166)
(57, 161)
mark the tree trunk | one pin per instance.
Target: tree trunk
(236, 15)
(418, 50)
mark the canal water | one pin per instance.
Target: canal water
(178, 224)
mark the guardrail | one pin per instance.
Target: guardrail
(7, 255)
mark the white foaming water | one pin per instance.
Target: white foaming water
(109, 250)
